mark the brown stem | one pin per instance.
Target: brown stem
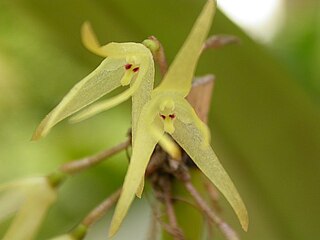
(227, 231)
(173, 229)
(154, 224)
(101, 209)
(218, 41)
(84, 163)
(213, 195)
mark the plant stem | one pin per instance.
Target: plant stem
(84, 163)
(176, 232)
(227, 231)
(218, 41)
(101, 209)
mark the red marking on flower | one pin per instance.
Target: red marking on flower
(136, 69)
(172, 116)
(163, 116)
(128, 66)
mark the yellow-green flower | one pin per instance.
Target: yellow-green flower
(28, 200)
(125, 64)
(168, 112)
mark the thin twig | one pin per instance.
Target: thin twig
(154, 224)
(218, 41)
(186, 201)
(98, 212)
(84, 163)
(173, 223)
(210, 228)
(213, 195)
(227, 231)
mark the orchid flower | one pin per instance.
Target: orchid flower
(125, 64)
(28, 200)
(168, 112)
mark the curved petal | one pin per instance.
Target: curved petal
(166, 143)
(10, 201)
(141, 153)
(143, 93)
(31, 214)
(190, 138)
(90, 40)
(180, 74)
(186, 114)
(140, 90)
(102, 106)
(101, 81)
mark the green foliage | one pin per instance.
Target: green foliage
(265, 128)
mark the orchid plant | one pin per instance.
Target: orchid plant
(168, 112)
(159, 116)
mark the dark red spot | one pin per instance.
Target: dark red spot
(172, 116)
(163, 116)
(128, 66)
(136, 69)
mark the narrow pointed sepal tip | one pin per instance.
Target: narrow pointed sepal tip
(112, 231)
(35, 137)
(245, 222)
(39, 133)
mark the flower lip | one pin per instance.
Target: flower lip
(136, 69)
(131, 69)
(127, 66)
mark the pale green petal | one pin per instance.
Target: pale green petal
(141, 153)
(32, 212)
(21, 184)
(143, 92)
(190, 138)
(13, 194)
(10, 202)
(98, 83)
(113, 49)
(166, 142)
(140, 90)
(140, 188)
(181, 71)
(187, 115)
(102, 105)
(90, 40)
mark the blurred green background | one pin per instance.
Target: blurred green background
(265, 116)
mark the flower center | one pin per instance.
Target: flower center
(131, 69)
(167, 115)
